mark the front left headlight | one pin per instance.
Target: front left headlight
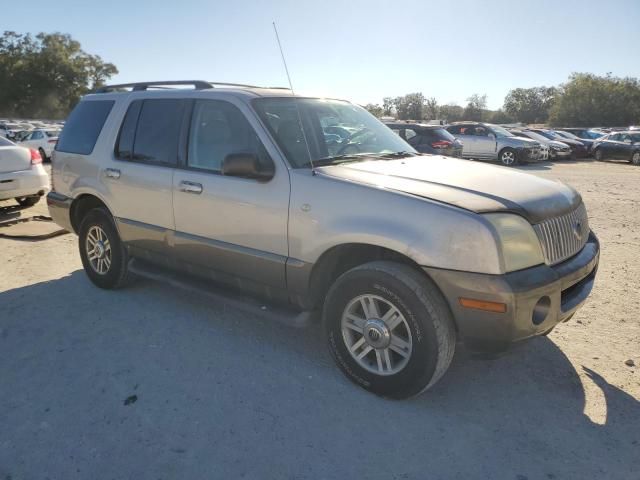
(518, 241)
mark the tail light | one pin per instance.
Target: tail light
(35, 157)
(53, 140)
(441, 144)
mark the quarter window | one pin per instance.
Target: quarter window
(218, 129)
(83, 127)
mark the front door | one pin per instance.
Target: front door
(234, 227)
(485, 142)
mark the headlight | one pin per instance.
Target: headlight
(518, 241)
(556, 147)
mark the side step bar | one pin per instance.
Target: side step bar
(222, 295)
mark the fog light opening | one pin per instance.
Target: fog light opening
(541, 310)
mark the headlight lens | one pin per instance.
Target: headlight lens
(519, 242)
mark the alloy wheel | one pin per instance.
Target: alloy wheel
(508, 158)
(98, 250)
(376, 334)
(635, 159)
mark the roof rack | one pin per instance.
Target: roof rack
(139, 86)
(197, 85)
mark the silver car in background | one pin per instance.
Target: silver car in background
(485, 141)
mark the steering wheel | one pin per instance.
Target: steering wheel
(343, 149)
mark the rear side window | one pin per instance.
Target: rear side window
(83, 126)
(150, 131)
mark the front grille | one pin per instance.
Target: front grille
(562, 237)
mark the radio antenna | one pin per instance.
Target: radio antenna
(284, 62)
(275, 29)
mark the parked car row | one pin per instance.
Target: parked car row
(513, 145)
(39, 135)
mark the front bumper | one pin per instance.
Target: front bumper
(566, 286)
(59, 209)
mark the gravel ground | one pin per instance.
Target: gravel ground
(150, 383)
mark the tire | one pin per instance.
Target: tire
(424, 329)
(508, 157)
(28, 201)
(98, 228)
(42, 154)
(635, 158)
(598, 155)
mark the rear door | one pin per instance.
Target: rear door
(236, 227)
(139, 175)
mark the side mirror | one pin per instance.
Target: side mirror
(245, 165)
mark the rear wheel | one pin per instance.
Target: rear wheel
(389, 329)
(508, 157)
(635, 158)
(104, 257)
(28, 201)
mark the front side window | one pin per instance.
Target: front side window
(218, 129)
(36, 136)
(305, 130)
(82, 128)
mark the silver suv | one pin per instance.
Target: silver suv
(484, 141)
(403, 254)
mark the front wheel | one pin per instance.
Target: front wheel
(508, 157)
(635, 158)
(389, 329)
(104, 257)
(598, 155)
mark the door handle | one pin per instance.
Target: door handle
(191, 187)
(112, 173)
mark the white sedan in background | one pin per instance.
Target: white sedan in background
(22, 175)
(42, 140)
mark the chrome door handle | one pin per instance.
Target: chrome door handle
(191, 187)
(112, 173)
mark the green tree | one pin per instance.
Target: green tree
(475, 108)
(431, 109)
(374, 109)
(387, 106)
(410, 106)
(499, 116)
(451, 112)
(588, 100)
(530, 105)
(44, 76)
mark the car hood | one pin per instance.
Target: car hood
(466, 184)
(558, 143)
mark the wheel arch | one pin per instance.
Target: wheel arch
(81, 205)
(340, 258)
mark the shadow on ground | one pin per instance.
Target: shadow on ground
(148, 382)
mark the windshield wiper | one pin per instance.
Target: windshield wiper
(402, 154)
(355, 157)
(336, 159)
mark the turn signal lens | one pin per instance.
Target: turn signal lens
(494, 307)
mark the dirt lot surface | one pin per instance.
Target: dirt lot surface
(152, 383)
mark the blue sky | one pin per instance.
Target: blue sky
(353, 49)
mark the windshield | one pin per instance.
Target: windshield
(566, 134)
(534, 136)
(333, 130)
(501, 132)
